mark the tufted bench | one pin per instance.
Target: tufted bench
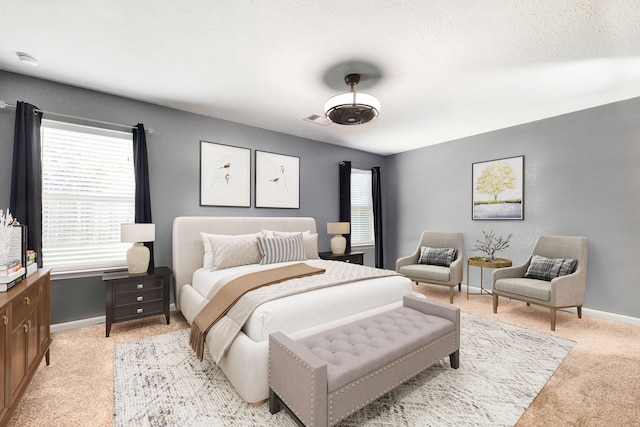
(323, 378)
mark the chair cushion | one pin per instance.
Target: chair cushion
(426, 272)
(543, 268)
(437, 256)
(530, 288)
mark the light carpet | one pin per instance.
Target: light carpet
(158, 381)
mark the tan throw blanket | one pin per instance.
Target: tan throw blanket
(232, 291)
(225, 331)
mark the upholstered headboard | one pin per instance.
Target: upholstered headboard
(187, 249)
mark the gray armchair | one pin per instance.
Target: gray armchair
(560, 292)
(435, 274)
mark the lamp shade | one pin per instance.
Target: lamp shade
(132, 233)
(338, 227)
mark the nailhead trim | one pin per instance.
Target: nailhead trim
(370, 376)
(304, 365)
(359, 381)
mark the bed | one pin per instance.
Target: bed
(245, 360)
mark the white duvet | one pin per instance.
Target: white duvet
(308, 309)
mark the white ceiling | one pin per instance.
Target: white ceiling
(442, 69)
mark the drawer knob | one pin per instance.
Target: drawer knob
(140, 310)
(140, 286)
(140, 298)
(5, 319)
(27, 300)
(27, 326)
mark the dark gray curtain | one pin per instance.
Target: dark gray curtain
(143, 196)
(377, 214)
(345, 197)
(26, 179)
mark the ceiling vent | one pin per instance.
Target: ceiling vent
(320, 120)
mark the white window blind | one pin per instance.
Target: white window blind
(88, 190)
(361, 208)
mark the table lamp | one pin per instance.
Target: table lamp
(338, 242)
(138, 254)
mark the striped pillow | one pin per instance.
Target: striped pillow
(310, 242)
(437, 256)
(281, 249)
(542, 268)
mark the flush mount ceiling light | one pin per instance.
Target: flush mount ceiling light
(352, 108)
(25, 58)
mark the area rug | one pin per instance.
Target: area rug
(158, 381)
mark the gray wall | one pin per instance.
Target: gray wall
(582, 177)
(173, 150)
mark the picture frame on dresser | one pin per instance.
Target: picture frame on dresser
(277, 180)
(225, 175)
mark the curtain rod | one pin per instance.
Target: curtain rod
(5, 105)
(355, 166)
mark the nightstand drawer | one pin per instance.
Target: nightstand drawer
(138, 310)
(143, 284)
(137, 297)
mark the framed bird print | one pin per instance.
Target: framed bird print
(225, 175)
(277, 181)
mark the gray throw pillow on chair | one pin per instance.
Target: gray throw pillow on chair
(543, 268)
(437, 256)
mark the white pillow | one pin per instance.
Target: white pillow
(310, 242)
(281, 249)
(224, 251)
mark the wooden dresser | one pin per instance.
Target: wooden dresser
(25, 337)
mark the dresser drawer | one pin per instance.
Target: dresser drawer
(142, 284)
(138, 297)
(137, 310)
(21, 304)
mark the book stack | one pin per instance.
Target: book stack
(30, 262)
(11, 273)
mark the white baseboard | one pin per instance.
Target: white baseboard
(586, 311)
(59, 327)
(608, 316)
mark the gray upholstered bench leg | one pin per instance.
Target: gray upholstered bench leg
(454, 360)
(298, 379)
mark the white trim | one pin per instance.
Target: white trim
(608, 316)
(615, 317)
(78, 274)
(59, 327)
(74, 324)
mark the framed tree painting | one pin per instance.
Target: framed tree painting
(225, 175)
(277, 181)
(498, 189)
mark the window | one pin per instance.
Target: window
(361, 208)
(88, 190)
